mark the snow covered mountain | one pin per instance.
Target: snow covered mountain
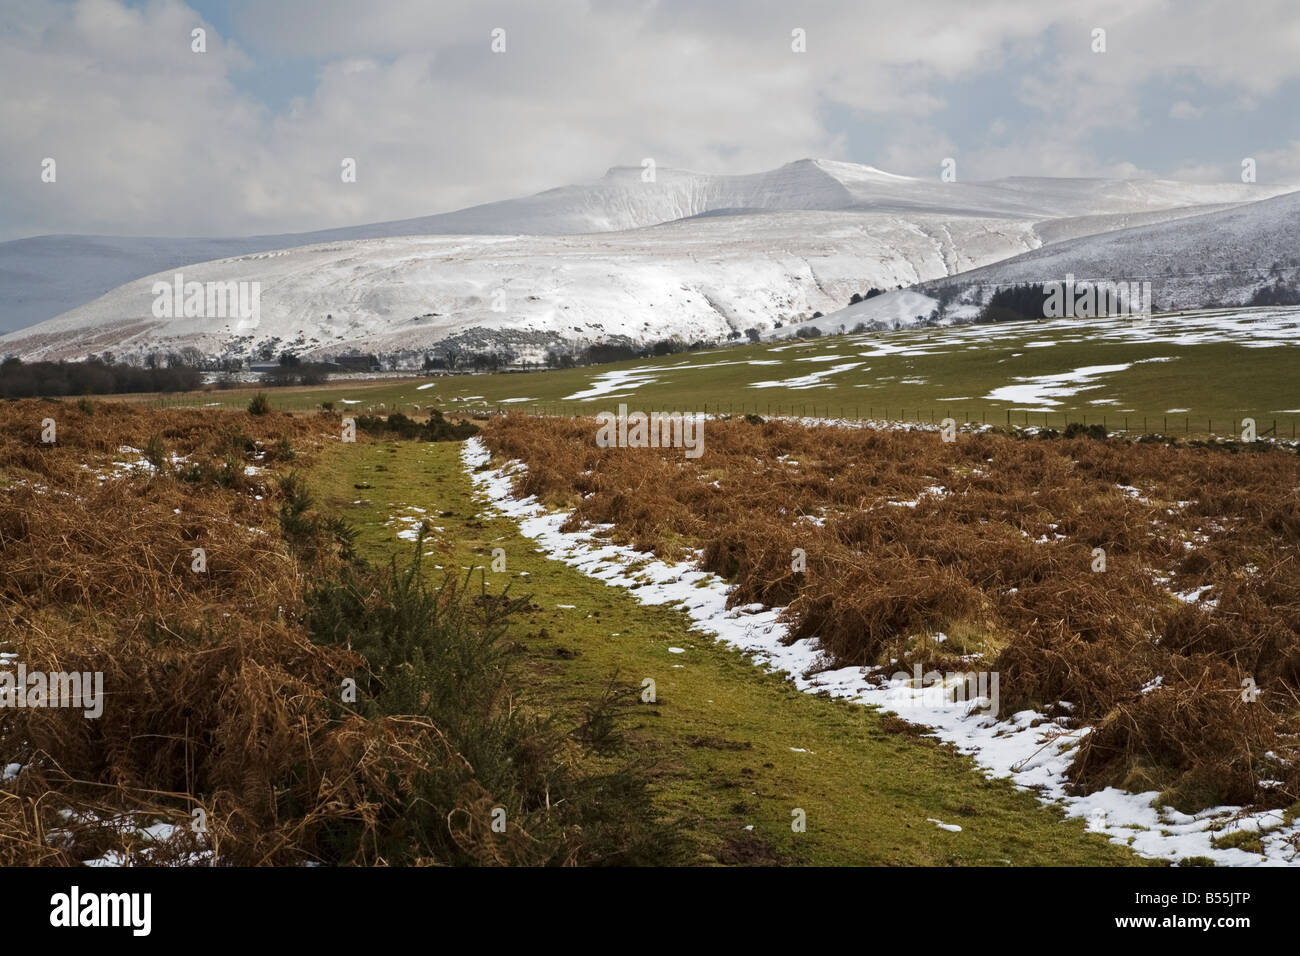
(1218, 258)
(686, 254)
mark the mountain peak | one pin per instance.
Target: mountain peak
(812, 165)
(859, 171)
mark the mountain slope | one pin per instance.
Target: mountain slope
(45, 276)
(697, 278)
(1222, 257)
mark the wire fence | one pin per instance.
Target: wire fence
(1165, 424)
(1286, 427)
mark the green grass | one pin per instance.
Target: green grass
(721, 736)
(928, 374)
(1249, 841)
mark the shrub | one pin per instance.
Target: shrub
(437, 428)
(155, 452)
(1079, 430)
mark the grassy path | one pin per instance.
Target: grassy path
(731, 747)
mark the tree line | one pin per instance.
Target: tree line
(19, 379)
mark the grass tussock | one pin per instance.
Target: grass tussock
(1058, 561)
(268, 698)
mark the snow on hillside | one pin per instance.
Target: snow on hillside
(688, 254)
(1222, 258)
(700, 278)
(45, 276)
(892, 310)
(1041, 198)
(1217, 258)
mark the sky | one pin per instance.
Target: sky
(149, 136)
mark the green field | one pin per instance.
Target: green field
(1195, 373)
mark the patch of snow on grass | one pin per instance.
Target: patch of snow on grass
(1043, 390)
(811, 380)
(607, 382)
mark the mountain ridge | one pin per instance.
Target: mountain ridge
(890, 229)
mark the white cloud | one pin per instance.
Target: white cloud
(151, 138)
(1279, 165)
(1185, 110)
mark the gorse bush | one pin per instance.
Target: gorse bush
(1079, 430)
(155, 452)
(429, 648)
(437, 652)
(398, 425)
(310, 533)
(434, 653)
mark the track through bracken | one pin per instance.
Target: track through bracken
(1182, 655)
